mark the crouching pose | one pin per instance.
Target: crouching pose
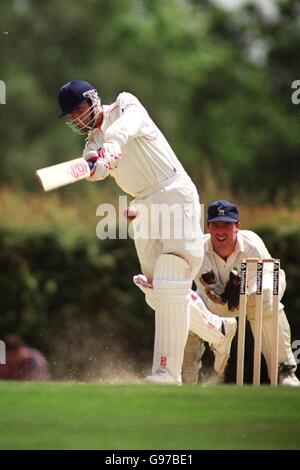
(218, 284)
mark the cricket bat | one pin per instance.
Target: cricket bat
(62, 174)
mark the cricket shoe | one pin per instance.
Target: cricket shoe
(222, 351)
(163, 377)
(287, 377)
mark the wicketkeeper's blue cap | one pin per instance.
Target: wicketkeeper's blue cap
(222, 211)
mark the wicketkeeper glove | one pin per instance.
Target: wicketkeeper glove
(232, 290)
(213, 288)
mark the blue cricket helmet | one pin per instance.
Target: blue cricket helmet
(71, 95)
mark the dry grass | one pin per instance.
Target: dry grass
(75, 212)
(75, 215)
(279, 216)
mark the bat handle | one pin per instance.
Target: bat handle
(91, 164)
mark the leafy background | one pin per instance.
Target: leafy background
(218, 82)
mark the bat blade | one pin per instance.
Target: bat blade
(62, 174)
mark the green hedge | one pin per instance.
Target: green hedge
(77, 302)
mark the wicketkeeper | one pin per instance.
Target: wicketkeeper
(218, 282)
(123, 142)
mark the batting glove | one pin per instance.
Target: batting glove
(111, 153)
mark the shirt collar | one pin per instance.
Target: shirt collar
(239, 244)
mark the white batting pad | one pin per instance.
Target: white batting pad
(204, 323)
(171, 284)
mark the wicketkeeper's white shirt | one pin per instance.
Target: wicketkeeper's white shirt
(147, 158)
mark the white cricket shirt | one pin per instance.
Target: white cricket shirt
(147, 158)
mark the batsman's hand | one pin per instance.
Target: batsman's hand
(232, 291)
(111, 154)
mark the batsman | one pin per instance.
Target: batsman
(218, 284)
(124, 143)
